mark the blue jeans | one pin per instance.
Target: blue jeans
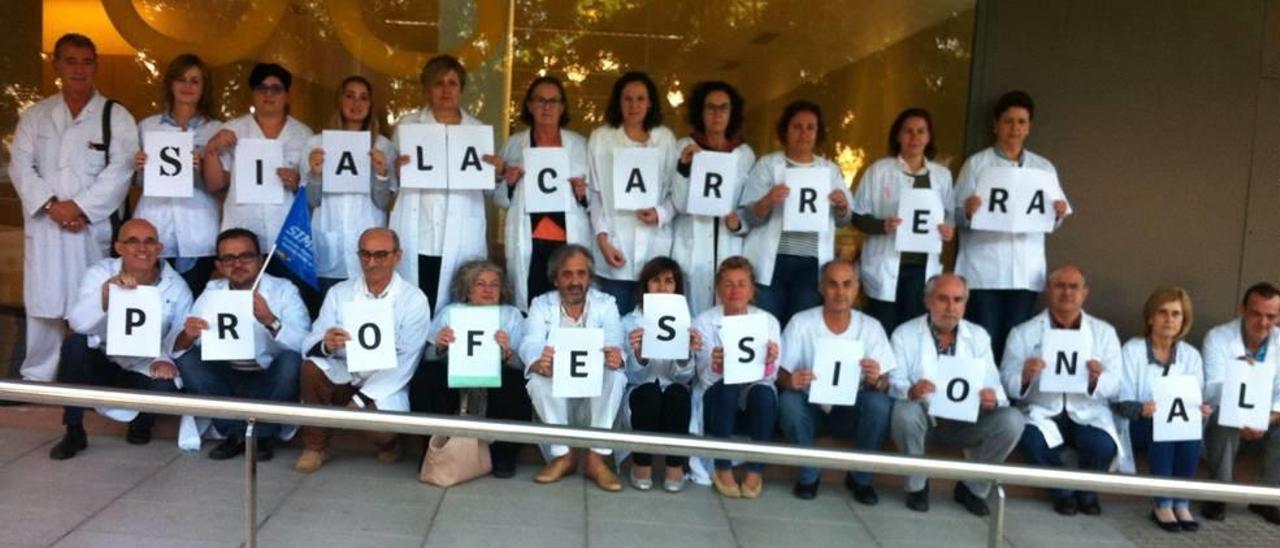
(1093, 446)
(1166, 458)
(623, 291)
(794, 287)
(867, 422)
(721, 414)
(998, 311)
(276, 383)
(80, 364)
(908, 300)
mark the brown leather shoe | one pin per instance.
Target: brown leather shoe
(389, 454)
(310, 460)
(558, 468)
(598, 469)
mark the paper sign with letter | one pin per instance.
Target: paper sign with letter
(372, 326)
(232, 328)
(256, 180)
(958, 394)
(346, 161)
(170, 166)
(1178, 416)
(475, 359)
(921, 212)
(135, 321)
(546, 180)
(577, 371)
(808, 205)
(637, 178)
(425, 145)
(837, 373)
(1246, 395)
(1066, 353)
(713, 183)
(468, 145)
(745, 340)
(1016, 200)
(666, 327)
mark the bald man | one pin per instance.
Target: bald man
(84, 359)
(1057, 420)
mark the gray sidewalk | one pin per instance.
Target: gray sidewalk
(115, 494)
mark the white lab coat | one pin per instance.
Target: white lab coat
(336, 225)
(637, 241)
(664, 372)
(697, 246)
(1224, 344)
(449, 224)
(878, 194)
(262, 219)
(998, 260)
(1138, 380)
(284, 301)
(761, 245)
(388, 388)
(544, 315)
(808, 327)
(188, 227)
(708, 325)
(51, 158)
(510, 320)
(87, 317)
(917, 356)
(518, 232)
(1085, 409)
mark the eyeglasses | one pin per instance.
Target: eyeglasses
(487, 285)
(547, 102)
(714, 107)
(380, 255)
(134, 242)
(269, 89)
(242, 258)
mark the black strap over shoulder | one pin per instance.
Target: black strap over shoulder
(123, 214)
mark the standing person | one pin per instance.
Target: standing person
(440, 229)
(895, 280)
(626, 240)
(531, 238)
(187, 226)
(340, 218)
(716, 113)
(787, 262)
(1006, 271)
(71, 160)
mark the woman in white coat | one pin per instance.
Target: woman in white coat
(531, 238)
(716, 112)
(440, 229)
(339, 219)
(187, 226)
(1162, 353)
(894, 281)
(626, 240)
(786, 263)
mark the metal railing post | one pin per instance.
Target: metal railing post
(995, 523)
(250, 486)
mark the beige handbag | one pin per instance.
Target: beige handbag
(452, 460)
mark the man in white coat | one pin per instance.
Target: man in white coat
(867, 421)
(1056, 419)
(917, 345)
(72, 159)
(84, 354)
(1253, 338)
(574, 303)
(325, 378)
(281, 324)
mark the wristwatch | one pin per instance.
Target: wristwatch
(275, 326)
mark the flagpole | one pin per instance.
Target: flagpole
(270, 254)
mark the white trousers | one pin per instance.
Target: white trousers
(603, 409)
(44, 344)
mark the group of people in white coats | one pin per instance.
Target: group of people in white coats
(590, 265)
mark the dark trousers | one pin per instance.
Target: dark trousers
(794, 287)
(216, 378)
(83, 365)
(429, 392)
(723, 417)
(198, 276)
(623, 291)
(539, 281)
(1093, 446)
(998, 311)
(429, 279)
(1166, 458)
(908, 299)
(311, 296)
(667, 411)
(867, 422)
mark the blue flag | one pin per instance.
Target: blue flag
(293, 244)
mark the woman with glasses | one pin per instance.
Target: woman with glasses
(186, 226)
(530, 238)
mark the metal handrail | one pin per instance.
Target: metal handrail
(773, 453)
